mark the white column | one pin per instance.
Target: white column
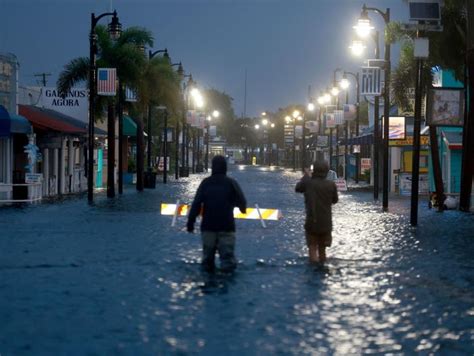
(56, 170)
(62, 171)
(45, 172)
(2, 160)
(9, 170)
(70, 164)
(81, 164)
(396, 157)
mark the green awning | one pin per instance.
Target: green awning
(129, 126)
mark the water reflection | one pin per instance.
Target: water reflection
(137, 287)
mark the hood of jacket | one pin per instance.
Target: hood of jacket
(219, 165)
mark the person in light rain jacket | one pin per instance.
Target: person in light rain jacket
(216, 197)
(319, 195)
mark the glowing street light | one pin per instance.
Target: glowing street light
(357, 48)
(216, 113)
(264, 122)
(344, 83)
(310, 107)
(257, 126)
(335, 91)
(295, 114)
(363, 27)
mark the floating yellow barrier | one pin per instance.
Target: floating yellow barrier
(252, 213)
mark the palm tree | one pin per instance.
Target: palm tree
(126, 55)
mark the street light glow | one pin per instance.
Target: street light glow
(264, 122)
(296, 113)
(264, 113)
(344, 83)
(216, 113)
(287, 118)
(272, 125)
(327, 98)
(310, 107)
(198, 98)
(257, 126)
(335, 91)
(363, 27)
(321, 100)
(357, 47)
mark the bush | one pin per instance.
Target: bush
(132, 166)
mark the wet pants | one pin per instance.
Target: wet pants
(222, 242)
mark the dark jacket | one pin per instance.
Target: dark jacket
(319, 195)
(217, 195)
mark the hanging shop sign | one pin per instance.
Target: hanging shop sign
(445, 107)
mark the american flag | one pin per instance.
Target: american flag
(350, 111)
(106, 81)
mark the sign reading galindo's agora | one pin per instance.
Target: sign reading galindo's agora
(75, 104)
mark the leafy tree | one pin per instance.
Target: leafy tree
(217, 100)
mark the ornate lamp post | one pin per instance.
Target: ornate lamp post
(296, 115)
(363, 29)
(215, 114)
(115, 29)
(309, 108)
(149, 176)
(184, 169)
(357, 49)
(345, 85)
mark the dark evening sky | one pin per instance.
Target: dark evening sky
(284, 45)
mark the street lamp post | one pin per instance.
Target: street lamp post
(310, 108)
(184, 170)
(377, 136)
(364, 28)
(357, 82)
(295, 115)
(269, 145)
(149, 176)
(180, 72)
(114, 31)
(215, 114)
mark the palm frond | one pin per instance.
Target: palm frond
(136, 35)
(77, 70)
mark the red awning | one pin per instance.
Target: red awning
(45, 119)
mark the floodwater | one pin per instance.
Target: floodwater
(116, 278)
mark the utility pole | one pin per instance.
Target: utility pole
(467, 167)
(43, 77)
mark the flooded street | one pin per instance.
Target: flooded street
(116, 278)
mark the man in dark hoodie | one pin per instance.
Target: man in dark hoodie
(216, 198)
(319, 195)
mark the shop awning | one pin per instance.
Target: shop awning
(130, 127)
(50, 120)
(20, 124)
(453, 139)
(12, 123)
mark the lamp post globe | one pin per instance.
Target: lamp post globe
(344, 83)
(357, 48)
